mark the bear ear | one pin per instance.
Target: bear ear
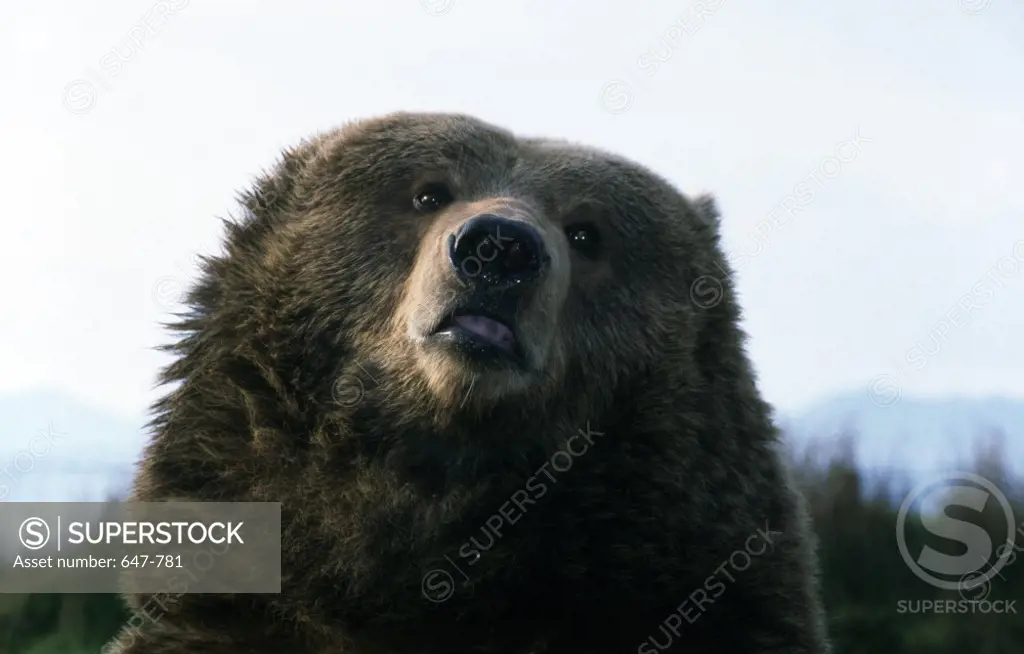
(706, 209)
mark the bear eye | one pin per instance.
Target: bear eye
(584, 238)
(432, 197)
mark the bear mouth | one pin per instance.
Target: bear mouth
(483, 336)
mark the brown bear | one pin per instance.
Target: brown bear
(499, 386)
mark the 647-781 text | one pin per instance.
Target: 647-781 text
(136, 561)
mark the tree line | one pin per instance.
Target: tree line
(875, 601)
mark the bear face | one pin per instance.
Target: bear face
(384, 203)
(418, 314)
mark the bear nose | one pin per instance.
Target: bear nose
(495, 251)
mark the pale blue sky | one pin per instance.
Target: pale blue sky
(109, 195)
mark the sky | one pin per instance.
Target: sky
(862, 154)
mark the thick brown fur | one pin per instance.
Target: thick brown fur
(300, 379)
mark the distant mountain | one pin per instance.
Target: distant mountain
(55, 448)
(914, 435)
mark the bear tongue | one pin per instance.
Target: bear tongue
(492, 330)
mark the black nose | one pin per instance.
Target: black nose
(494, 251)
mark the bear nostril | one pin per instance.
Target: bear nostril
(516, 259)
(494, 251)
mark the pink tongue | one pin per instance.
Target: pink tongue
(492, 330)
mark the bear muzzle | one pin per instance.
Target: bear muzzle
(483, 327)
(496, 261)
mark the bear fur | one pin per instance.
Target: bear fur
(622, 493)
